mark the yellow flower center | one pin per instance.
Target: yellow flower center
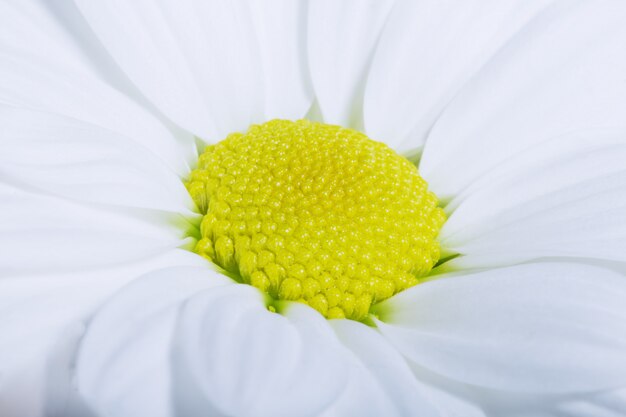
(315, 213)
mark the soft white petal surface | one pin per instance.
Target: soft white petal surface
(561, 73)
(124, 362)
(381, 382)
(43, 318)
(546, 327)
(235, 358)
(80, 161)
(50, 63)
(427, 52)
(602, 404)
(281, 42)
(451, 397)
(40, 234)
(342, 36)
(199, 61)
(563, 198)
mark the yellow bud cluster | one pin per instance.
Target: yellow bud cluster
(316, 213)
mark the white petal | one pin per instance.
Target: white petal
(427, 52)
(558, 75)
(230, 355)
(342, 35)
(538, 327)
(602, 404)
(124, 362)
(565, 198)
(452, 398)
(609, 403)
(381, 383)
(196, 61)
(46, 234)
(80, 161)
(233, 357)
(281, 41)
(42, 317)
(51, 62)
(34, 379)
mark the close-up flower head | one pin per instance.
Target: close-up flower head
(312, 208)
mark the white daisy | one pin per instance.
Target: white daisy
(513, 111)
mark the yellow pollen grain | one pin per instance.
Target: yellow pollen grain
(316, 213)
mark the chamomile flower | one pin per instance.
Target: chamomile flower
(323, 208)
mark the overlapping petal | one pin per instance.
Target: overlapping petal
(564, 198)
(201, 64)
(213, 348)
(342, 36)
(381, 382)
(68, 158)
(601, 404)
(44, 317)
(124, 360)
(42, 234)
(542, 328)
(186, 67)
(558, 75)
(51, 63)
(427, 52)
(234, 357)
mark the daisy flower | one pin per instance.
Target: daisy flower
(323, 208)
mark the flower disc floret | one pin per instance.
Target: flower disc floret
(316, 213)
